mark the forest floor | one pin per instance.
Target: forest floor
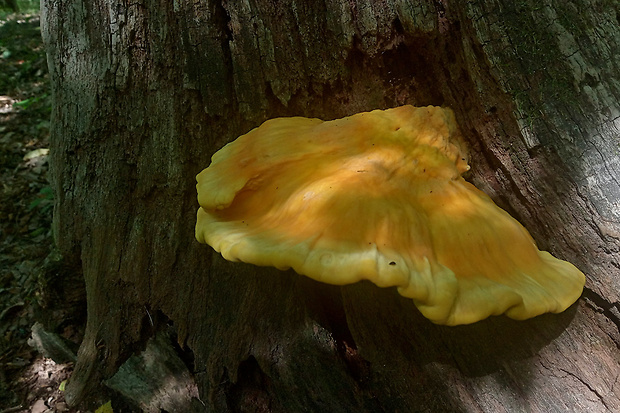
(29, 382)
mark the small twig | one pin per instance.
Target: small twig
(12, 409)
(150, 318)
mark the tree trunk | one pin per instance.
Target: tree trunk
(145, 92)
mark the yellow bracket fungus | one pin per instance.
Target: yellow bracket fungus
(378, 196)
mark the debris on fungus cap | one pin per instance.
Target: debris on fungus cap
(378, 196)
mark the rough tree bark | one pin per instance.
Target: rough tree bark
(146, 91)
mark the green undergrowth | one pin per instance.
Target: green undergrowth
(10, 8)
(26, 199)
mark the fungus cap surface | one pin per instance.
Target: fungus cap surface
(378, 196)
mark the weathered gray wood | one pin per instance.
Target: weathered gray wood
(50, 345)
(156, 379)
(146, 91)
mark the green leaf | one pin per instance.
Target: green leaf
(47, 191)
(105, 408)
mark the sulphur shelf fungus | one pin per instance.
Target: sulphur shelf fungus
(378, 196)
